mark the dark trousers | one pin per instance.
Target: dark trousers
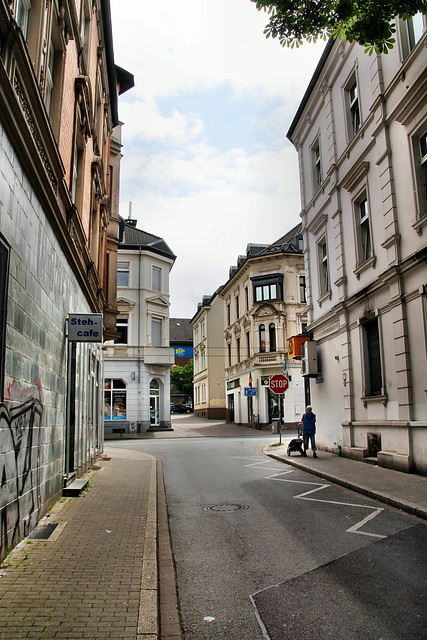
(306, 437)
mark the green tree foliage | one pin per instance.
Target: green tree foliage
(182, 378)
(368, 22)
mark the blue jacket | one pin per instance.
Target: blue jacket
(309, 423)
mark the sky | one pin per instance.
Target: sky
(206, 162)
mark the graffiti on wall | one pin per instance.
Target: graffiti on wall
(20, 463)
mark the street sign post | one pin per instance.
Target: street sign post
(279, 383)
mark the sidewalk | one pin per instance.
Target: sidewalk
(404, 491)
(96, 576)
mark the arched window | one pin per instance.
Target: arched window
(272, 336)
(262, 338)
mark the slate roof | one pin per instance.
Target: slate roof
(180, 330)
(289, 243)
(130, 238)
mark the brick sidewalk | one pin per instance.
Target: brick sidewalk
(96, 576)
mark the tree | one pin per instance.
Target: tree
(368, 22)
(182, 378)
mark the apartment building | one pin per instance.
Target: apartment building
(137, 363)
(60, 149)
(361, 137)
(209, 358)
(264, 305)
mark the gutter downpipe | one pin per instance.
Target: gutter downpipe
(139, 341)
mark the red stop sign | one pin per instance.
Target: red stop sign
(279, 383)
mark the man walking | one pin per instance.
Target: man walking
(308, 430)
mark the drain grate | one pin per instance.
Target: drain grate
(223, 508)
(43, 532)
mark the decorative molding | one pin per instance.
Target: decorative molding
(36, 137)
(356, 174)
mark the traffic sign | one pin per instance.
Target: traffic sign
(279, 383)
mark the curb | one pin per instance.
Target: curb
(407, 507)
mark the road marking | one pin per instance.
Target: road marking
(317, 487)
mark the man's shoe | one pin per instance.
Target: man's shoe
(314, 455)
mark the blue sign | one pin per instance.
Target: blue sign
(250, 392)
(183, 352)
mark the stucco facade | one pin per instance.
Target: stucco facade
(137, 365)
(360, 133)
(209, 358)
(264, 305)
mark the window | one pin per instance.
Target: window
(272, 336)
(420, 158)
(248, 343)
(4, 279)
(122, 275)
(247, 298)
(237, 307)
(352, 108)
(302, 292)
(317, 165)
(268, 288)
(262, 338)
(411, 32)
(122, 325)
(323, 267)
(50, 68)
(238, 349)
(114, 399)
(363, 229)
(372, 357)
(228, 314)
(229, 354)
(157, 279)
(21, 15)
(156, 333)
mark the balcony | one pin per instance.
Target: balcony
(149, 355)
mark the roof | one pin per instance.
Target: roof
(310, 87)
(180, 330)
(289, 243)
(131, 238)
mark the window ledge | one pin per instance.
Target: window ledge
(364, 266)
(369, 399)
(325, 296)
(420, 223)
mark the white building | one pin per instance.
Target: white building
(264, 306)
(209, 358)
(137, 364)
(361, 137)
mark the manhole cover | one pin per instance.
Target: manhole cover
(43, 532)
(221, 508)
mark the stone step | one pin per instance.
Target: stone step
(75, 488)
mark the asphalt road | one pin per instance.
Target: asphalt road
(267, 552)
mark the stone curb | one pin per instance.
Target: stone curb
(407, 507)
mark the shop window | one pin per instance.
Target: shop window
(115, 399)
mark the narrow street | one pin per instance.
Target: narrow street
(263, 550)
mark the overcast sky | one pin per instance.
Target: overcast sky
(206, 162)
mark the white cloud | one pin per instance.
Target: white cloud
(206, 200)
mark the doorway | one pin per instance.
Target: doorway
(154, 403)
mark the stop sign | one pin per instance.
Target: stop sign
(279, 383)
